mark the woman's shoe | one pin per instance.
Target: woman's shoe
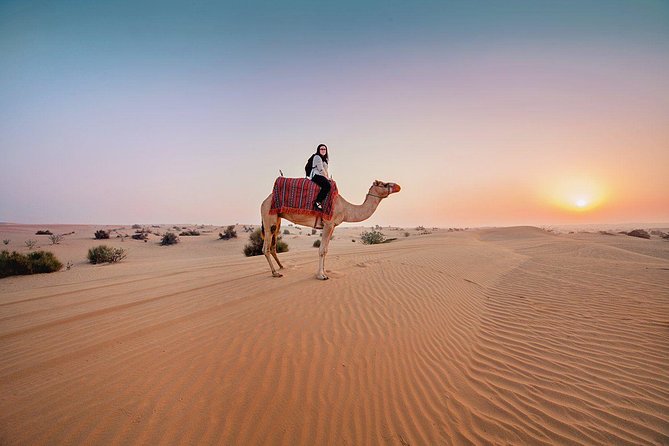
(318, 206)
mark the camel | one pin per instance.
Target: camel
(343, 211)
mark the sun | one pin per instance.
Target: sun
(577, 194)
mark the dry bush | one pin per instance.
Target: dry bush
(55, 239)
(372, 237)
(101, 234)
(229, 233)
(170, 238)
(254, 246)
(639, 233)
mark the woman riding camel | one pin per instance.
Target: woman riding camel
(319, 174)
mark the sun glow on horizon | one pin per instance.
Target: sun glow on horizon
(578, 194)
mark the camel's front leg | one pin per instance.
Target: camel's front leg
(322, 252)
(269, 241)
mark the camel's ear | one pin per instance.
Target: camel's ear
(376, 183)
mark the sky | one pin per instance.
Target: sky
(487, 113)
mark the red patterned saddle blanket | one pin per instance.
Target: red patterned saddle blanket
(297, 196)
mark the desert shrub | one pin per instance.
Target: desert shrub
(43, 232)
(406, 234)
(30, 244)
(317, 243)
(229, 233)
(32, 263)
(254, 246)
(140, 236)
(101, 234)
(136, 226)
(55, 239)
(6, 241)
(639, 233)
(191, 232)
(286, 232)
(170, 238)
(313, 231)
(105, 254)
(372, 238)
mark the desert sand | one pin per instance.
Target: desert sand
(492, 336)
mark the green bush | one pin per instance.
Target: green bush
(170, 238)
(105, 254)
(254, 246)
(33, 263)
(372, 238)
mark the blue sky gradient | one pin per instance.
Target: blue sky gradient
(125, 112)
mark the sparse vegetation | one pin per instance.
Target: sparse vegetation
(101, 234)
(191, 232)
(136, 226)
(313, 231)
(6, 241)
(170, 238)
(406, 234)
(286, 232)
(254, 246)
(30, 244)
(140, 236)
(105, 254)
(15, 264)
(43, 232)
(317, 243)
(372, 238)
(639, 233)
(229, 233)
(55, 239)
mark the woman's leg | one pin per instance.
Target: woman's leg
(325, 187)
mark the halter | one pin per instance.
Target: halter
(377, 196)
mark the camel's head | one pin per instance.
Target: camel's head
(382, 190)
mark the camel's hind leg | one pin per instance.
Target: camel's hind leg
(275, 240)
(270, 228)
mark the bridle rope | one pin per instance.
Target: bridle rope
(378, 196)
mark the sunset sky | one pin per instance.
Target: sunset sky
(485, 112)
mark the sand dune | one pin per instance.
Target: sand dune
(499, 336)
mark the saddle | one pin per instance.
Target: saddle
(297, 196)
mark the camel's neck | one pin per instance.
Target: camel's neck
(354, 213)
